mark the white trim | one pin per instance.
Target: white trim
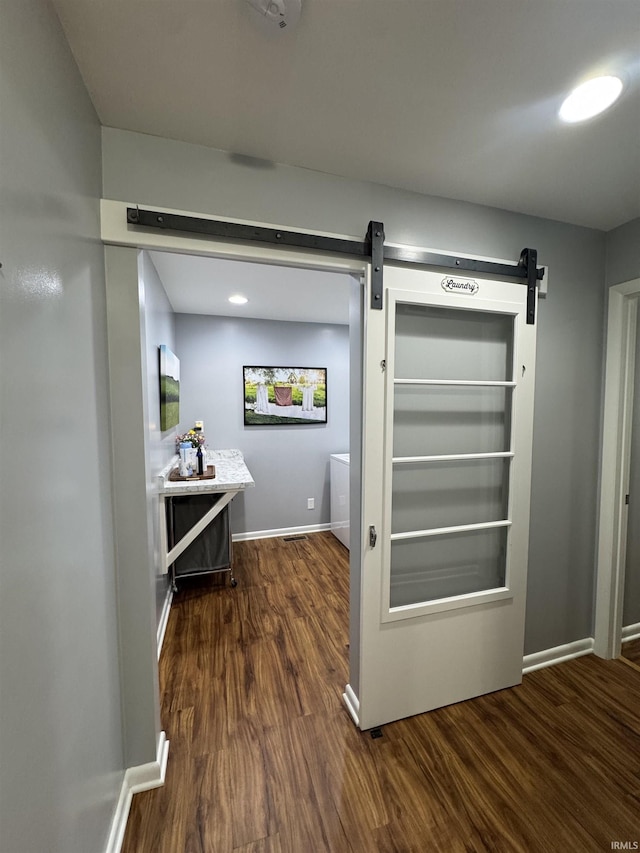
(352, 703)
(559, 654)
(446, 531)
(136, 779)
(630, 632)
(614, 469)
(453, 457)
(442, 605)
(144, 777)
(119, 821)
(283, 531)
(455, 383)
(164, 618)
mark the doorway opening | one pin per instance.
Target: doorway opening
(297, 316)
(616, 493)
(370, 335)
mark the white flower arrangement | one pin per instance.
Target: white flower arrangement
(195, 439)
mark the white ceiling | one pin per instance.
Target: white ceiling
(198, 285)
(456, 98)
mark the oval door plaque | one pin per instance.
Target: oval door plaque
(460, 285)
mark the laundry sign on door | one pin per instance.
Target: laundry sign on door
(465, 286)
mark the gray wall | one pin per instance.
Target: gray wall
(623, 253)
(60, 721)
(159, 323)
(288, 463)
(153, 171)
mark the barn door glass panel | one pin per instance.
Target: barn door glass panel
(432, 495)
(448, 344)
(441, 566)
(452, 385)
(445, 419)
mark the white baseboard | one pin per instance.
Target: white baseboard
(352, 703)
(164, 618)
(119, 820)
(630, 632)
(283, 531)
(136, 779)
(559, 654)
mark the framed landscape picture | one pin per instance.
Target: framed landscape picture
(274, 396)
(169, 388)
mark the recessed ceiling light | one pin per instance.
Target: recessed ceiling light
(238, 299)
(590, 98)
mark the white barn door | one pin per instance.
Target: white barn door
(447, 469)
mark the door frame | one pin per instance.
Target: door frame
(136, 618)
(117, 231)
(615, 466)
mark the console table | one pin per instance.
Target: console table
(231, 477)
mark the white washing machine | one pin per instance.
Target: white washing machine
(340, 496)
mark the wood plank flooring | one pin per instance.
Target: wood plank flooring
(265, 759)
(631, 650)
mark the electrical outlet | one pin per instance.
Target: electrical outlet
(311, 503)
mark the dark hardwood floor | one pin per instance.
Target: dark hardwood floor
(631, 651)
(265, 759)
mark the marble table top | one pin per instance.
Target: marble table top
(231, 475)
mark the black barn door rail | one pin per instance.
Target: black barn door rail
(372, 248)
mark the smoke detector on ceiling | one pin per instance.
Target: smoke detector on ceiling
(277, 15)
